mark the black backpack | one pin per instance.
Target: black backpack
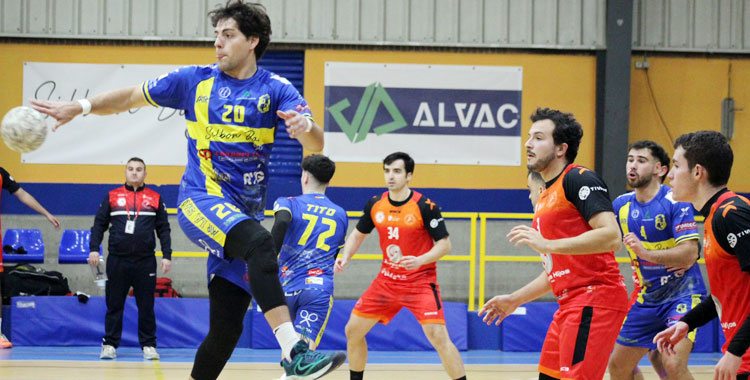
(27, 280)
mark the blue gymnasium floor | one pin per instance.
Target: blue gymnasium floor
(246, 355)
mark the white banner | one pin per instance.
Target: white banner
(157, 135)
(443, 114)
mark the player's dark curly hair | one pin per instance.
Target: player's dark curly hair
(567, 129)
(408, 161)
(251, 18)
(320, 166)
(657, 151)
(711, 150)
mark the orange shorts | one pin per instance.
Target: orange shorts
(383, 300)
(579, 342)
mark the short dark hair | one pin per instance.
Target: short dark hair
(136, 159)
(320, 167)
(251, 18)
(536, 177)
(711, 150)
(657, 151)
(408, 161)
(567, 129)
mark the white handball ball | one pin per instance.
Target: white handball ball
(23, 129)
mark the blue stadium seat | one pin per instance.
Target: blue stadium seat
(19, 240)
(74, 247)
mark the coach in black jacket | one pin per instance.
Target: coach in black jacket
(132, 213)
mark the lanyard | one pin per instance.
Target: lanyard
(137, 208)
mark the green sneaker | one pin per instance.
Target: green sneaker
(309, 365)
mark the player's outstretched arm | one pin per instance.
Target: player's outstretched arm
(353, 242)
(503, 305)
(33, 204)
(107, 103)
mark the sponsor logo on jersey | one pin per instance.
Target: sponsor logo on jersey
(685, 227)
(315, 272)
(220, 176)
(121, 202)
(208, 154)
(224, 92)
(732, 239)
(254, 178)
(202, 99)
(410, 219)
(394, 253)
(314, 281)
(435, 222)
(245, 96)
(635, 213)
(728, 325)
(684, 211)
(584, 193)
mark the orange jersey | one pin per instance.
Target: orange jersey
(577, 280)
(407, 228)
(730, 285)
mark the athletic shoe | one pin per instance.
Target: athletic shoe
(309, 365)
(108, 352)
(149, 353)
(4, 342)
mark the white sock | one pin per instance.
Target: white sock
(287, 338)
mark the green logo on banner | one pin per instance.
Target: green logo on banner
(357, 129)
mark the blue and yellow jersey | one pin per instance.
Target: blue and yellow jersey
(230, 128)
(661, 223)
(312, 240)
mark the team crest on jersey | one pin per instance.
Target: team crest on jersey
(121, 202)
(660, 222)
(264, 103)
(379, 217)
(394, 253)
(635, 214)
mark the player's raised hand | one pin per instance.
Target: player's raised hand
(528, 236)
(296, 123)
(498, 308)
(62, 112)
(667, 339)
(340, 264)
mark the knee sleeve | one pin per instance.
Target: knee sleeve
(249, 241)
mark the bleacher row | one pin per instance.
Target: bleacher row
(27, 246)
